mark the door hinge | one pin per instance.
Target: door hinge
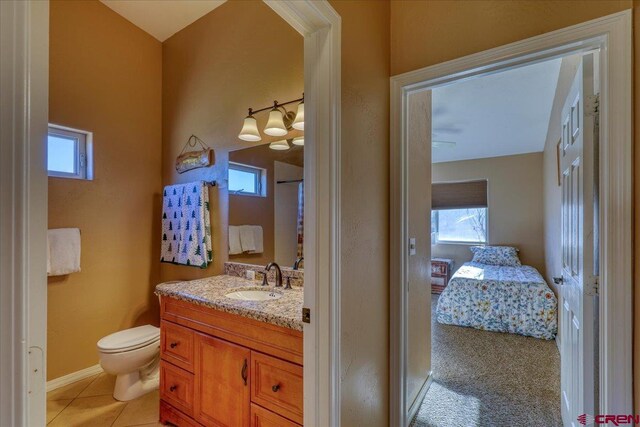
(594, 287)
(306, 315)
(592, 104)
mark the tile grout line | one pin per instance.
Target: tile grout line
(123, 406)
(72, 400)
(58, 414)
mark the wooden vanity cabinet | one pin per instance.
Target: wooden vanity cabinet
(222, 382)
(221, 369)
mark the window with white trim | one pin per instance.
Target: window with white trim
(247, 180)
(69, 153)
(459, 225)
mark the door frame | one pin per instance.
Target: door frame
(613, 34)
(23, 219)
(321, 27)
(24, 110)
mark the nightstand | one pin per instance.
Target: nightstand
(441, 271)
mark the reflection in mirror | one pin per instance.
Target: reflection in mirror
(266, 204)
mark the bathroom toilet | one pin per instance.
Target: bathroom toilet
(132, 355)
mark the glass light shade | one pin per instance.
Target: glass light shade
(275, 125)
(279, 145)
(249, 130)
(298, 123)
(299, 140)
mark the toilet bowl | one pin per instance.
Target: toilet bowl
(133, 355)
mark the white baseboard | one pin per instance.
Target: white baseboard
(73, 377)
(415, 406)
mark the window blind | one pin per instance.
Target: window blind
(459, 195)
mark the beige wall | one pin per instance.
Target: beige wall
(636, 159)
(552, 191)
(105, 77)
(429, 32)
(515, 204)
(425, 33)
(365, 213)
(238, 56)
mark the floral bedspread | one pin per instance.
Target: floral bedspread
(500, 299)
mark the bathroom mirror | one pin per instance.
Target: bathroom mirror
(266, 203)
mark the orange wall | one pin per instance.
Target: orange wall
(364, 221)
(105, 77)
(636, 105)
(238, 56)
(425, 33)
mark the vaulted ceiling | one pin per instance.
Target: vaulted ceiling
(500, 114)
(162, 18)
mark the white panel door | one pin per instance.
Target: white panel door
(578, 282)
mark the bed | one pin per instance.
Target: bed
(500, 298)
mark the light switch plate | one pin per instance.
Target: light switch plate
(412, 246)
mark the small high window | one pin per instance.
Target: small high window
(247, 180)
(69, 153)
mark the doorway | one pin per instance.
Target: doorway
(615, 169)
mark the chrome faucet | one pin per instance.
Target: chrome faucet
(296, 265)
(278, 273)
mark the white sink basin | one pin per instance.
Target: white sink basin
(254, 295)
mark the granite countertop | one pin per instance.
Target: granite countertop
(210, 292)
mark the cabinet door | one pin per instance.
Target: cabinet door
(223, 390)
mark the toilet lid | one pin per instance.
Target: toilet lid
(129, 339)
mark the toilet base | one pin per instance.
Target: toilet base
(135, 384)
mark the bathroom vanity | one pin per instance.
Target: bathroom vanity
(230, 362)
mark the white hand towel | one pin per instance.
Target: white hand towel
(235, 247)
(64, 251)
(247, 238)
(257, 239)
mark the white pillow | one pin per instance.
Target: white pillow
(496, 255)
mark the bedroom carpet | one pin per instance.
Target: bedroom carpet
(485, 378)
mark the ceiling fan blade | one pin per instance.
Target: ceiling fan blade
(443, 144)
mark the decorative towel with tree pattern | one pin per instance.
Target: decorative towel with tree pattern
(186, 225)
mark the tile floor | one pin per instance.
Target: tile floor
(89, 403)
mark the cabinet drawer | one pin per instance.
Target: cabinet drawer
(176, 345)
(176, 387)
(277, 385)
(261, 417)
(168, 414)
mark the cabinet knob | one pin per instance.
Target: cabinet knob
(173, 388)
(173, 344)
(275, 388)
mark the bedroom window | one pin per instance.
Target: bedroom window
(459, 212)
(246, 180)
(459, 225)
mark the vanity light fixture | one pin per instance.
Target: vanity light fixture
(280, 121)
(279, 145)
(275, 124)
(299, 140)
(298, 123)
(249, 130)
